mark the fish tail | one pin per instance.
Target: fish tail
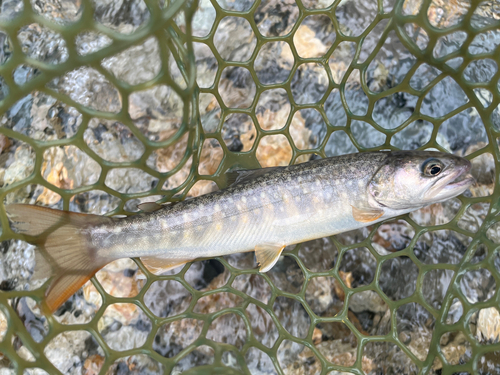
(68, 256)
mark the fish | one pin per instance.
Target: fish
(262, 210)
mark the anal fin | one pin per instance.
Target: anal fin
(366, 215)
(267, 255)
(158, 265)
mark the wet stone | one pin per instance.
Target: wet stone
(135, 365)
(318, 255)
(489, 363)
(199, 356)
(257, 361)
(415, 326)
(314, 36)
(124, 326)
(122, 19)
(274, 63)
(455, 312)
(254, 286)
(394, 235)
(174, 337)
(232, 32)
(287, 276)
(66, 350)
(369, 313)
(167, 298)
(485, 325)
(473, 217)
(228, 329)
(455, 347)
(435, 286)
(89, 88)
(441, 246)
(325, 296)
(263, 327)
(276, 18)
(398, 278)
(386, 356)
(3, 325)
(292, 316)
(338, 343)
(296, 358)
(478, 285)
(216, 302)
(30, 314)
(361, 264)
(309, 75)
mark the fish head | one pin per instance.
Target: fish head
(413, 179)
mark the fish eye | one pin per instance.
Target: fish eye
(432, 168)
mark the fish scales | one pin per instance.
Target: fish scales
(264, 210)
(294, 204)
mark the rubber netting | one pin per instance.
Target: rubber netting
(109, 104)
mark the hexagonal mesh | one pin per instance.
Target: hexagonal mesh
(109, 104)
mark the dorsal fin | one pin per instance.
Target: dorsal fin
(239, 176)
(149, 206)
(153, 206)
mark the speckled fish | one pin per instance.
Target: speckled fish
(263, 211)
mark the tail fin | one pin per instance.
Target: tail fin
(70, 259)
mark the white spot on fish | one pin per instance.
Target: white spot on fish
(217, 207)
(163, 224)
(263, 195)
(244, 199)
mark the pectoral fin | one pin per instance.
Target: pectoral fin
(267, 255)
(239, 176)
(158, 265)
(366, 215)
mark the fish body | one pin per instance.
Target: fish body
(283, 206)
(264, 210)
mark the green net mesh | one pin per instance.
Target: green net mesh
(108, 104)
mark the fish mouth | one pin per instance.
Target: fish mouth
(454, 184)
(462, 181)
